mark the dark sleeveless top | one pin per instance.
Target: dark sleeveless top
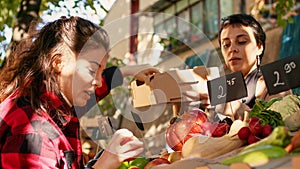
(251, 81)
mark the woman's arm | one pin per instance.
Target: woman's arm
(113, 77)
(140, 72)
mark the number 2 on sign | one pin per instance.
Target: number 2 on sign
(288, 67)
(222, 95)
(277, 79)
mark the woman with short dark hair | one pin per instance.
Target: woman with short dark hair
(242, 42)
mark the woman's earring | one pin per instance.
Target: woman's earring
(258, 60)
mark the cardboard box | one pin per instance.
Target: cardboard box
(167, 87)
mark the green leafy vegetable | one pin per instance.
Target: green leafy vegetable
(260, 110)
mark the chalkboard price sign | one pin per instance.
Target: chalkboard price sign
(282, 74)
(227, 88)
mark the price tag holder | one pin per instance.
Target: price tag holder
(227, 88)
(282, 74)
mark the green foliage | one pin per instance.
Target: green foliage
(9, 11)
(261, 105)
(282, 9)
(2, 62)
(113, 61)
(261, 111)
(169, 43)
(45, 5)
(106, 106)
(7, 14)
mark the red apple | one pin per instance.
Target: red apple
(155, 162)
(221, 130)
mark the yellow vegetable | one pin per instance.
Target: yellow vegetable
(210, 147)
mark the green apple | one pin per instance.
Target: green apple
(124, 165)
(135, 163)
(139, 162)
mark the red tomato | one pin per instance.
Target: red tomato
(221, 130)
(155, 162)
(184, 127)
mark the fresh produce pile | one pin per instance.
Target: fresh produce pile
(136, 163)
(271, 131)
(209, 147)
(193, 122)
(262, 151)
(147, 163)
(254, 131)
(279, 111)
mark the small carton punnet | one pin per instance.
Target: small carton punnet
(168, 87)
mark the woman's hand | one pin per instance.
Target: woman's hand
(201, 96)
(197, 98)
(123, 145)
(234, 109)
(140, 72)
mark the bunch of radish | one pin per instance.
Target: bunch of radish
(255, 131)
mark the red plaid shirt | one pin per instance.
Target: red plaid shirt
(29, 140)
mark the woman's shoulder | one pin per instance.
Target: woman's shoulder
(262, 91)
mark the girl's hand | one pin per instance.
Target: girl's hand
(123, 145)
